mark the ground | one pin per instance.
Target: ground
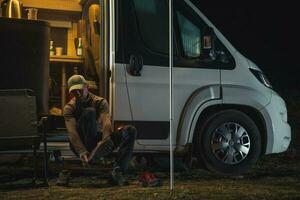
(273, 177)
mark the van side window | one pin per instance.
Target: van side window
(152, 17)
(191, 31)
(190, 35)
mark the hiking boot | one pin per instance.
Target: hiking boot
(63, 178)
(117, 178)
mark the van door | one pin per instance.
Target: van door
(141, 72)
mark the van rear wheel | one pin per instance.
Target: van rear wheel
(229, 142)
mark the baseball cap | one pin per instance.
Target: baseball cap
(76, 82)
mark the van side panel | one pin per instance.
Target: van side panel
(149, 97)
(244, 95)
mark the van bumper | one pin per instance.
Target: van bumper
(278, 130)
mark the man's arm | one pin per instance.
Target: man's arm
(73, 134)
(105, 146)
(104, 119)
(106, 125)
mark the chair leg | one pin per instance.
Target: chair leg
(35, 166)
(44, 122)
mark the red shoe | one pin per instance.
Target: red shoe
(148, 179)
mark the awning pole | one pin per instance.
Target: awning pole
(171, 92)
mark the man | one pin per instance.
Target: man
(88, 123)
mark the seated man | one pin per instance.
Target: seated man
(88, 123)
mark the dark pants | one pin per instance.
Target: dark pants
(122, 139)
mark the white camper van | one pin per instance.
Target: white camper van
(225, 109)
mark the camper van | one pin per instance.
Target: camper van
(225, 112)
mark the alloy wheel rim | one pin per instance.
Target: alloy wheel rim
(230, 143)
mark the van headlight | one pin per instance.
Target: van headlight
(261, 77)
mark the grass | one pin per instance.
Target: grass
(274, 177)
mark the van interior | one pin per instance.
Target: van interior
(71, 22)
(83, 19)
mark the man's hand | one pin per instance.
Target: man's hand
(84, 158)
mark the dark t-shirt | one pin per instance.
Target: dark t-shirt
(73, 108)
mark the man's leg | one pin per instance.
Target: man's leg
(124, 139)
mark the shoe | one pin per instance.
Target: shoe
(117, 178)
(148, 179)
(63, 178)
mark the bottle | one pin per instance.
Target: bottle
(75, 70)
(51, 48)
(79, 49)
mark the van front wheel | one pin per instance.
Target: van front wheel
(229, 142)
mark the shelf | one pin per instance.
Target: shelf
(63, 5)
(67, 59)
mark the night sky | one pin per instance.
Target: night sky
(266, 33)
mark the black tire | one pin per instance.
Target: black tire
(210, 152)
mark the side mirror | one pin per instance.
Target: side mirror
(208, 38)
(207, 42)
(212, 48)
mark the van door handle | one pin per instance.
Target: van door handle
(135, 65)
